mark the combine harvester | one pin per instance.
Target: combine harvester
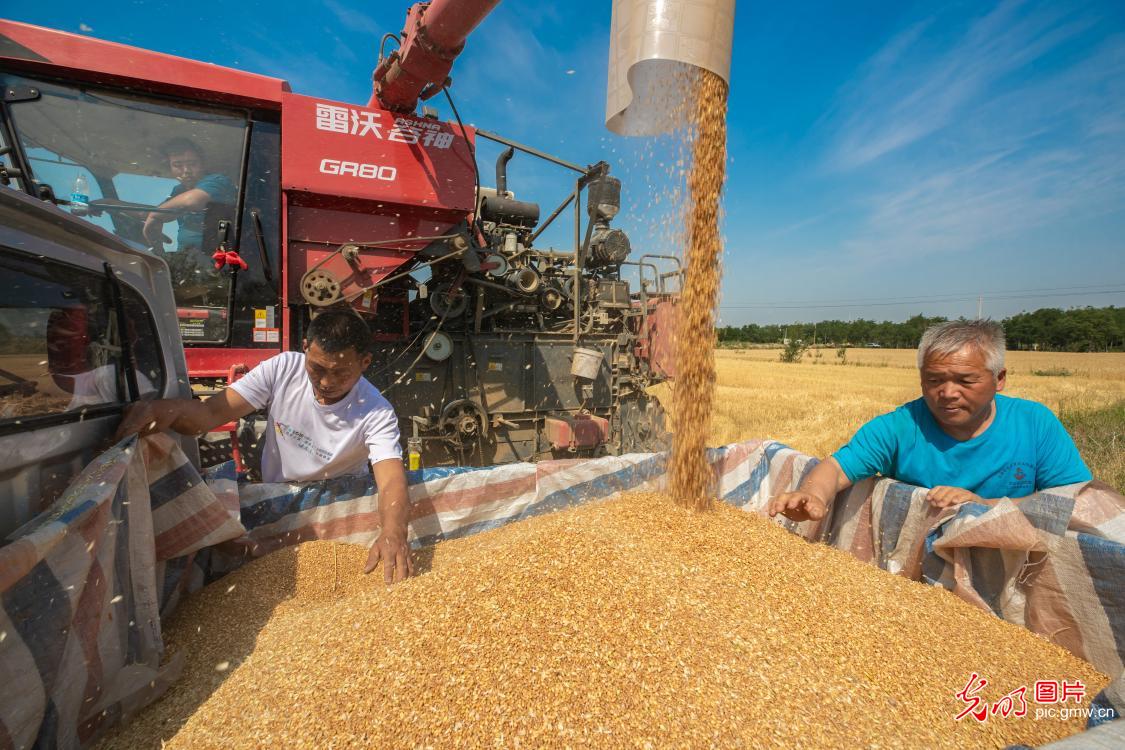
(493, 349)
(499, 350)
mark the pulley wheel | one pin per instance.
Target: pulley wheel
(447, 303)
(499, 265)
(462, 420)
(526, 280)
(440, 347)
(320, 288)
(552, 299)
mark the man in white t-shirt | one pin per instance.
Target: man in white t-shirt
(324, 420)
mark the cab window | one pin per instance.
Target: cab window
(163, 176)
(61, 345)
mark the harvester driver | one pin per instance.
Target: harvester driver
(960, 439)
(324, 420)
(190, 263)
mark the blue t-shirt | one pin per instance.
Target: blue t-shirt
(1024, 450)
(221, 190)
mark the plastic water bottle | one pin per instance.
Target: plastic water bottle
(80, 196)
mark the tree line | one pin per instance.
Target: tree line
(1083, 329)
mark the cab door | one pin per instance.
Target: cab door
(86, 327)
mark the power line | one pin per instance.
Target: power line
(974, 293)
(884, 302)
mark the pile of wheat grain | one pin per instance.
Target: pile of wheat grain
(690, 478)
(626, 623)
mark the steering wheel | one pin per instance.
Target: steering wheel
(129, 225)
(126, 216)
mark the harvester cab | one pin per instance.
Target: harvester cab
(176, 178)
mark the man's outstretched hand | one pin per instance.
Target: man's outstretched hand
(798, 506)
(947, 497)
(142, 418)
(153, 232)
(393, 550)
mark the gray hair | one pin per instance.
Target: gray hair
(986, 335)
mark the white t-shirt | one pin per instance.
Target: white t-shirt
(306, 440)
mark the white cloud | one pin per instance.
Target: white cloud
(980, 139)
(354, 20)
(913, 87)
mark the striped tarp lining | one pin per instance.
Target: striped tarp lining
(80, 640)
(77, 581)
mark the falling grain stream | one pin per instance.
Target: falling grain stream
(690, 478)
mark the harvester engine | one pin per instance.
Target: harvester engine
(516, 352)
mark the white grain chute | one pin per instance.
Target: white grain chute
(656, 48)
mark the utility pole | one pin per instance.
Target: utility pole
(980, 306)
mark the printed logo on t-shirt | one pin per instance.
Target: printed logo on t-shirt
(1020, 477)
(301, 440)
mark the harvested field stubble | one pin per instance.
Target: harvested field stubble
(615, 624)
(816, 408)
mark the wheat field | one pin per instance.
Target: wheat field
(816, 405)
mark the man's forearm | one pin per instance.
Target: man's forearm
(189, 200)
(192, 200)
(392, 545)
(184, 415)
(825, 481)
(394, 507)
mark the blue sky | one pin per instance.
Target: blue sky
(886, 158)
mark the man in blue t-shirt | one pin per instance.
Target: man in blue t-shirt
(190, 263)
(961, 439)
(188, 199)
